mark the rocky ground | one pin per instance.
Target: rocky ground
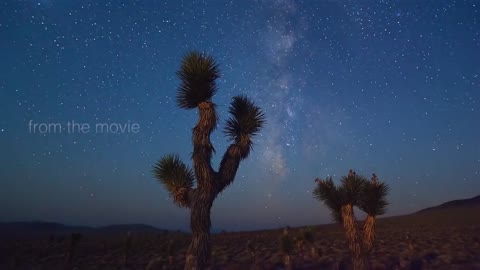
(402, 243)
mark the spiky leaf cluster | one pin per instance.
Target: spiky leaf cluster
(331, 196)
(173, 173)
(373, 201)
(352, 188)
(246, 119)
(197, 74)
(355, 190)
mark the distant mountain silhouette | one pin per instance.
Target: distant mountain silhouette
(452, 213)
(42, 227)
(465, 203)
(457, 210)
(129, 227)
(39, 227)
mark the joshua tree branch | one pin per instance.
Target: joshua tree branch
(235, 153)
(183, 197)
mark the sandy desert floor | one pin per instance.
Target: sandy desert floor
(436, 243)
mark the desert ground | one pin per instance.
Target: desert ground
(440, 239)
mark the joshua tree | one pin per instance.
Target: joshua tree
(374, 204)
(341, 200)
(198, 74)
(354, 190)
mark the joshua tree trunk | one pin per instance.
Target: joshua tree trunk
(199, 250)
(351, 231)
(369, 233)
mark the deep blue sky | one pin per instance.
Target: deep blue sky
(391, 87)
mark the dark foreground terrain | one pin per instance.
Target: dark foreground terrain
(437, 238)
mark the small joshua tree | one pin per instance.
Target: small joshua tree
(70, 251)
(411, 247)
(286, 249)
(198, 74)
(14, 255)
(252, 252)
(354, 190)
(171, 249)
(308, 236)
(300, 243)
(126, 248)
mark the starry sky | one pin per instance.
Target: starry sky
(391, 87)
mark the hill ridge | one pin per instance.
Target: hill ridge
(461, 203)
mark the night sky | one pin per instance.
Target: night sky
(391, 87)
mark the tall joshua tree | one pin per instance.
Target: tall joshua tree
(354, 190)
(198, 74)
(373, 203)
